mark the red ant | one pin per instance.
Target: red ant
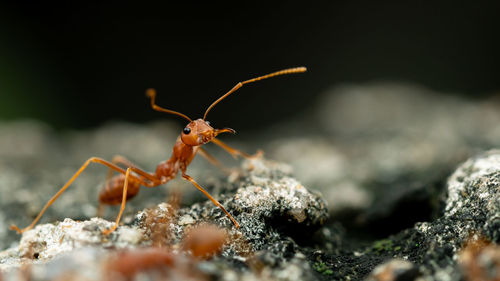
(126, 185)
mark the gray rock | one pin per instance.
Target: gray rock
(379, 153)
(472, 205)
(266, 201)
(378, 148)
(35, 162)
(474, 196)
(471, 214)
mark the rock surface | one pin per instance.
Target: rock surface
(384, 156)
(267, 202)
(380, 153)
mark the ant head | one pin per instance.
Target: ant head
(200, 132)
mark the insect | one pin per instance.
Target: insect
(126, 184)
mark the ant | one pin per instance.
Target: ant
(120, 188)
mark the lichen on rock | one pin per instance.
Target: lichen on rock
(384, 156)
(264, 198)
(474, 195)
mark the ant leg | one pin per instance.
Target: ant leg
(117, 159)
(68, 183)
(143, 175)
(214, 161)
(234, 152)
(153, 181)
(122, 206)
(216, 203)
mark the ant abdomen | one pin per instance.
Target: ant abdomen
(112, 192)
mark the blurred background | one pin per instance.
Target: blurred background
(78, 65)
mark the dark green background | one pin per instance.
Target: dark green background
(78, 64)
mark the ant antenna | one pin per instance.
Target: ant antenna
(240, 84)
(151, 93)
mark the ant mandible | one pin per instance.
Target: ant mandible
(124, 186)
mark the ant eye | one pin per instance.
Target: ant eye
(186, 131)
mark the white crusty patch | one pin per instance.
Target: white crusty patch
(49, 240)
(472, 169)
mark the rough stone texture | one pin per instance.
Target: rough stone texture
(382, 149)
(47, 241)
(471, 215)
(474, 195)
(384, 156)
(266, 201)
(472, 212)
(35, 162)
